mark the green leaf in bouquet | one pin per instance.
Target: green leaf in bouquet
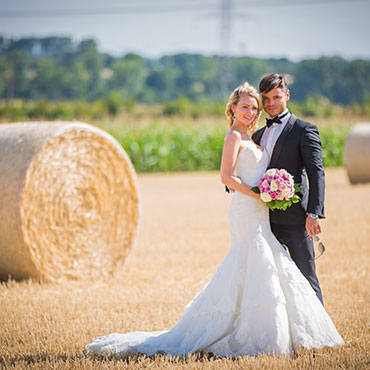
(284, 207)
(272, 204)
(256, 189)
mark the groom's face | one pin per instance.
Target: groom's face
(275, 101)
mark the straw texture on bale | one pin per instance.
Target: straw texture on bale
(69, 201)
(357, 154)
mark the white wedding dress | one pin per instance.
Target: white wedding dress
(256, 302)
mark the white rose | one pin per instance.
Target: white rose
(271, 172)
(284, 193)
(274, 185)
(266, 197)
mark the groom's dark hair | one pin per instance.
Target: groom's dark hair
(272, 81)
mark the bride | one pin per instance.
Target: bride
(257, 301)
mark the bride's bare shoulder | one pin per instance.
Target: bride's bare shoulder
(233, 136)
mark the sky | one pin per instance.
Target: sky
(292, 29)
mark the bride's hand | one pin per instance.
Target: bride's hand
(255, 195)
(231, 189)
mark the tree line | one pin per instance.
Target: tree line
(56, 68)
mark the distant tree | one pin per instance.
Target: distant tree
(248, 69)
(162, 84)
(281, 65)
(92, 64)
(339, 80)
(14, 72)
(47, 83)
(114, 102)
(128, 75)
(56, 68)
(40, 47)
(56, 45)
(356, 83)
(3, 44)
(3, 75)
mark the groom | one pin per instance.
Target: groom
(294, 145)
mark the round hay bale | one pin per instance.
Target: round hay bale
(69, 204)
(357, 153)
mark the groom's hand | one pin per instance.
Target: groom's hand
(313, 226)
(229, 190)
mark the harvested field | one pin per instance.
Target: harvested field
(183, 237)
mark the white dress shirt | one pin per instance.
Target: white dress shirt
(272, 133)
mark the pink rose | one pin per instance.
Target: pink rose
(273, 195)
(283, 187)
(279, 180)
(265, 183)
(280, 196)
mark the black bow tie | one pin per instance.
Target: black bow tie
(270, 121)
(277, 119)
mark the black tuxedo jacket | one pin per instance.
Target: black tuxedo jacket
(298, 150)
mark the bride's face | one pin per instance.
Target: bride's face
(245, 112)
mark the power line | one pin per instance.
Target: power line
(273, 3)
(88, 12)
(157, 9)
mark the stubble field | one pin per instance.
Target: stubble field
(183, 237)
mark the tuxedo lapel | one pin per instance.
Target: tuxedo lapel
(281, 140)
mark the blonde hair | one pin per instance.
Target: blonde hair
(234, 98)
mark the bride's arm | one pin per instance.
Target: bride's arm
(229, 156)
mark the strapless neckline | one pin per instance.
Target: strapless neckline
(251, 164)
(253, 145)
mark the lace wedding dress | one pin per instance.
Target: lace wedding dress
(256, 302)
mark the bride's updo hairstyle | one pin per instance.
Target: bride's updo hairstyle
(234, 98)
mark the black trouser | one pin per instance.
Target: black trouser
(301, 250)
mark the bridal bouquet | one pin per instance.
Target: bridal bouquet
(277, 189)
